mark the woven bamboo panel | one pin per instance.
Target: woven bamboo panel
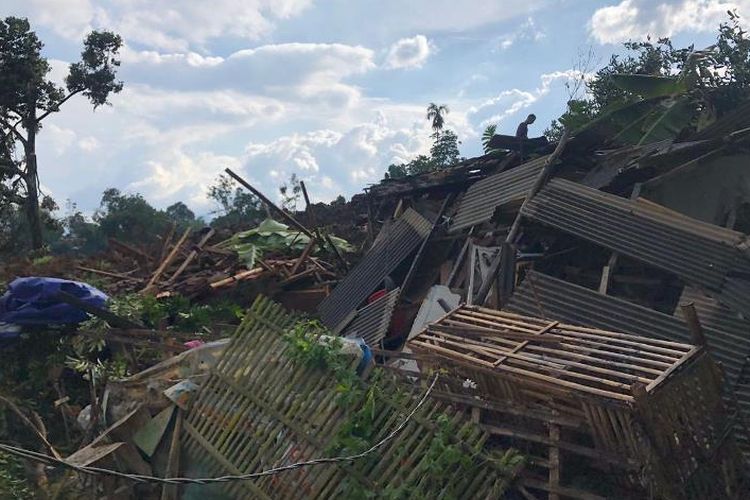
(261, 409)
(651, 409)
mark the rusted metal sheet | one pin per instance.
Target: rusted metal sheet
(484, 197)
(403, 237)
(373, 320)
(262, 408)
(697, 252)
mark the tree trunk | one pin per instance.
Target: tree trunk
(33, 216)
(32, 175)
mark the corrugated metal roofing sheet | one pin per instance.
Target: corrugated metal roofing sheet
(373, 320)
(482, 199)
(386, 254)
(698, 252)
(555, 299)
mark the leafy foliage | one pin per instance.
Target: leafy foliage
(683, 87)
(27, 97)
(237, 207)
(128, 217)
(487, 135)
(272, 237)
(291, 192)
(313, 345)
(13, 482)
(436, 114)
(444, 153)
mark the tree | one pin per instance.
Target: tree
(27, 97)
(237, 207)
(129, 217)
(180, 214)
(291, 192)
(444, 151)
(437, 115)
(487, 135)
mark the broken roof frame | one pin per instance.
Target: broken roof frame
(631, 394)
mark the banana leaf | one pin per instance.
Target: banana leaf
(273, 237)
(649, 86)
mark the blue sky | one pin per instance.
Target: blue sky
(332, 90)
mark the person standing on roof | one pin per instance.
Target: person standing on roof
(522, 132)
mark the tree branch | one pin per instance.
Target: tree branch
(10, 167)
(11, 195)
(57, 106)
(12, 129)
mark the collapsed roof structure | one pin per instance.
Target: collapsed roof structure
(586, 303)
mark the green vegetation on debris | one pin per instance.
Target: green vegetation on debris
(446, 454)
(273, 237)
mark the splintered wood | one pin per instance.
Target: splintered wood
(261, 408)
(193, 265)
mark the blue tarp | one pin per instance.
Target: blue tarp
(32, 301)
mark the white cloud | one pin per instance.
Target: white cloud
(161, 24)
(88, 144)
(408, 53)
(528, 31)
(60, 138)
(509, 102)
(306, 71)
(636, 19)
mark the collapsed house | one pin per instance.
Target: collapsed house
(585, 304)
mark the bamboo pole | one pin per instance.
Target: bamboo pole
(541, 179)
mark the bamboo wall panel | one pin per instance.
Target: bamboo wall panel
(260, 409)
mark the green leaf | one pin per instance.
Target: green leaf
(676, 114)
(648, 86)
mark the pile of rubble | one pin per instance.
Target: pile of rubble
(585, 304)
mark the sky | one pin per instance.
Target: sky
(332, 90)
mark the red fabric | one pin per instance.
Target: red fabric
(375, 296)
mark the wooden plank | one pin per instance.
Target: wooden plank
(285, 215)
(171, 491)
(166, 262)
(303, 257)
(523, 344)
(193, 254)
(554, 461)
(109, 274)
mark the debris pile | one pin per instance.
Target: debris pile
(583, 304)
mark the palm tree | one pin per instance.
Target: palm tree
(487, 136)
(436, 114)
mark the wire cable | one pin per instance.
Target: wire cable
(140, 478)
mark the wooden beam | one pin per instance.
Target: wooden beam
(288, 217)
(192, 256)
(554, 461)
(541, 179)
(418, 257)
(166, 262)
(694, 325)
(523, 344)
(607, 273)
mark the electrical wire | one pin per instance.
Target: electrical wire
(140, 478)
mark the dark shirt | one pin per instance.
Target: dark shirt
(522, 132)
